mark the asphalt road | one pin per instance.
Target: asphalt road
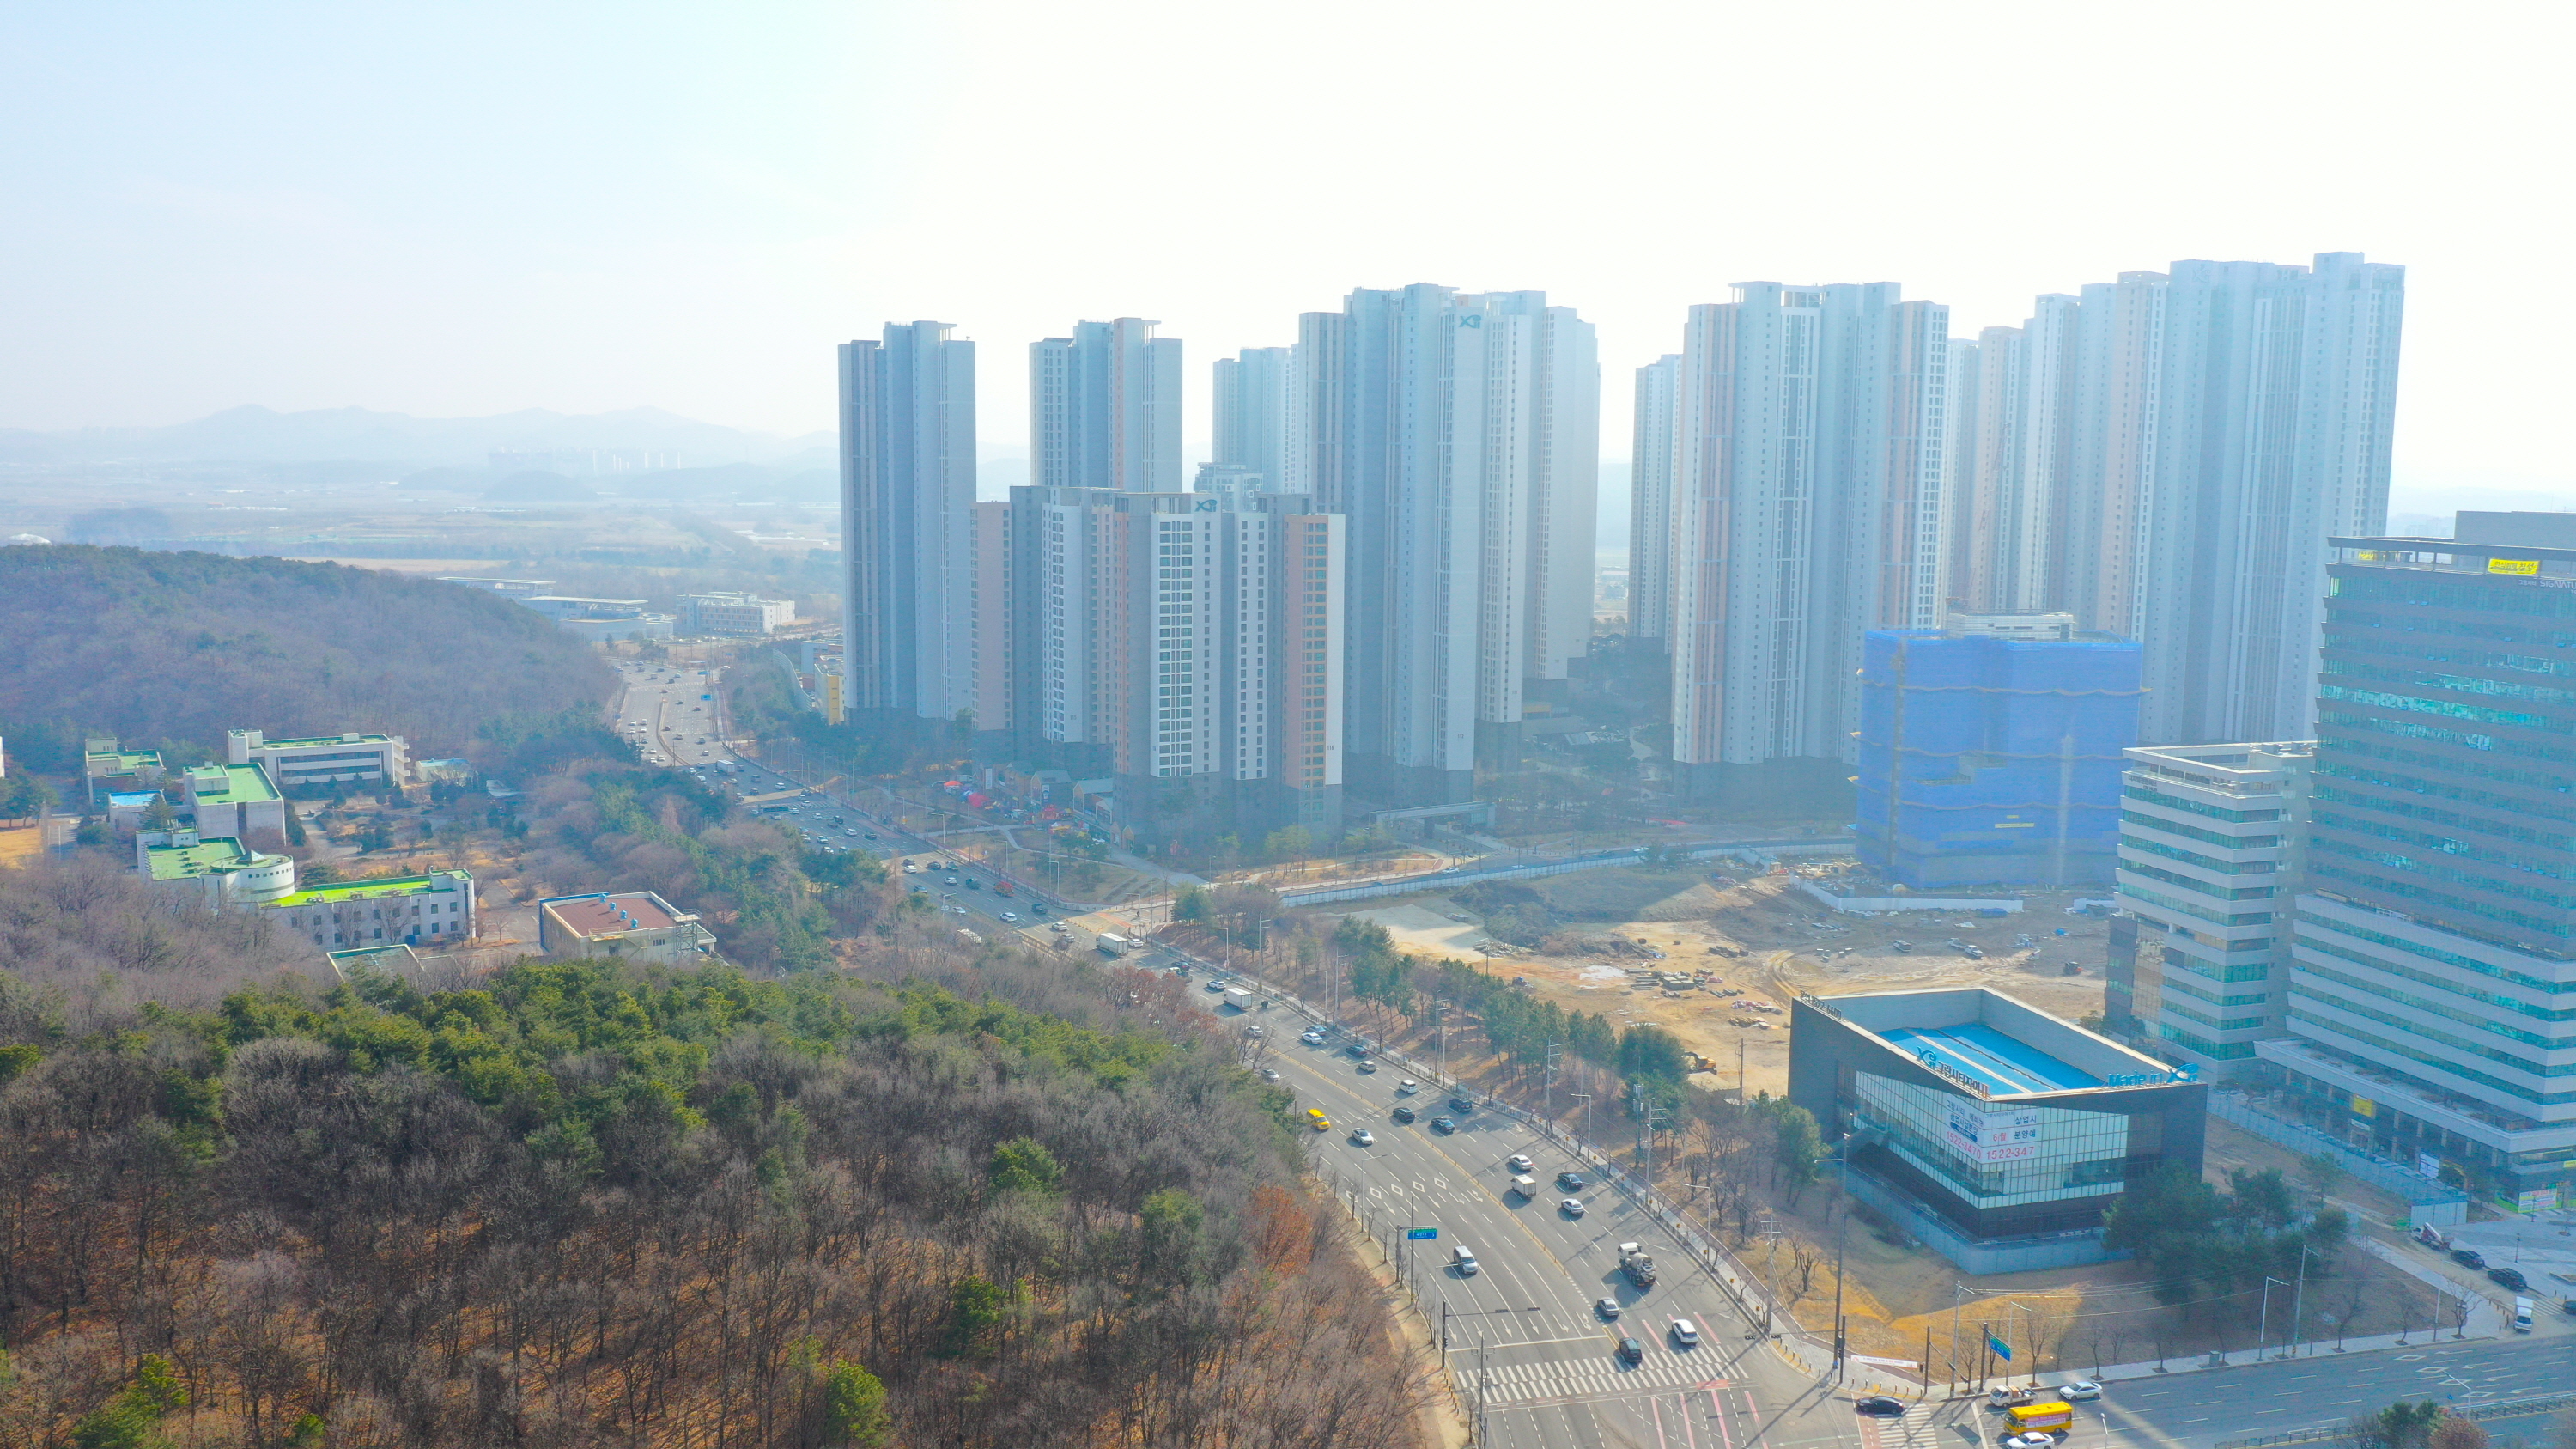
(1523, 1335)
(2194, 1410)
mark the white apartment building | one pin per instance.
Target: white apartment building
(990, 638)
(1459, 434)
(1187, 644)
(1807, 510)
(1105, 408)
(907, 507)
(1655, 454)
(2165, 455)
(322, 761)
(1261, 423)
(737, 614)
(2209, 855)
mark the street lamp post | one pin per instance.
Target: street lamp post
(2263, 1330)
(2299, 1296)
(1842, 1241)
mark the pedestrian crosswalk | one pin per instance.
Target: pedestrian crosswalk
(1575, 1377)
(1920, 1429)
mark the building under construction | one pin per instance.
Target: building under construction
(1991, 751)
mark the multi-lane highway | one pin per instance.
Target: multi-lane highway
(1526, 1343)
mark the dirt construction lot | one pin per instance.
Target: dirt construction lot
(1766, 941)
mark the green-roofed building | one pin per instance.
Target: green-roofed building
(235, 800)
(219, 869)
(368, 761)
(113, 768)
(436, 909)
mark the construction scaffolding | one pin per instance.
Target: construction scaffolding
(1993, 759)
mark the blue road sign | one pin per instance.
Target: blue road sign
(1417, 1234)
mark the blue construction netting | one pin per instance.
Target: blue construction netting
(1993, 761)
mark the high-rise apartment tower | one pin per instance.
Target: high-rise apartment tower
(1105, 408)
(1260, 417)
(1459, 434)
(1807, 511)
(907, 500)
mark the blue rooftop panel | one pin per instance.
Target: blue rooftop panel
(2002, 1064)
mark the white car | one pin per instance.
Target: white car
(1518, 1162)
(2032, 1440)
(2079, 1391)
(1405, 1088)
(1685, 1333)
(1362, 1137)
(1572, 1207)
(1316, 1038)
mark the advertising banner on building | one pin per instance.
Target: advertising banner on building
(1990, 1135)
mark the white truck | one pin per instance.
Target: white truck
(1524, 1187)
(2521, 1315)
(1238, 998)
(1111, 945)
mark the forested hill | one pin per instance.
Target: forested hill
(172, 649)
(590, 1206)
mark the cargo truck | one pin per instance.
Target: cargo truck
(1634, 1262)
(1111, 945)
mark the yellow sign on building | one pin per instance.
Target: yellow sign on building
(2513, 565)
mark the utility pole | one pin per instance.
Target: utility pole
(1586, 1098)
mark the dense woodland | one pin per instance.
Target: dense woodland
(172, 649)
(586, 1206)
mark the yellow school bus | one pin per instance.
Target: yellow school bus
(1320, 1122)
(2041, 1416)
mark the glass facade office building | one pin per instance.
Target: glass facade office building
(2208, 861)
(1994, 1125)
(2432, 987)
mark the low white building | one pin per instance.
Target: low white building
(419, 910)
(742, 615)
(220, 870)
(322, 761)
(635, 925)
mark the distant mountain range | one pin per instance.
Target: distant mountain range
(252, 434)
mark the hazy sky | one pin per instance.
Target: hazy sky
(468, 208)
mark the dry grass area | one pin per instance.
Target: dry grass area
(20, 844)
